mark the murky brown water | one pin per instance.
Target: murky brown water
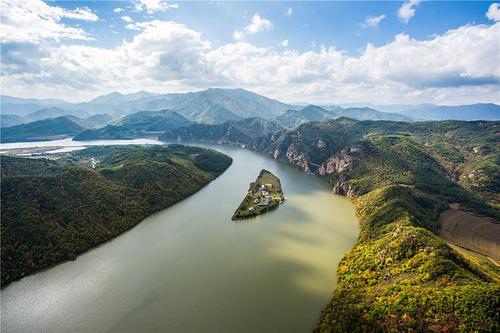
(189, 268)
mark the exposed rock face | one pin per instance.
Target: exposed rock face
(336, 163)
(320, 143)
(343, 188)
(294, 156)
(276, 153)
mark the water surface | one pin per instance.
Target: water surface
(189, 268)
(70, 143)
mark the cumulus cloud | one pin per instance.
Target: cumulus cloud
(407, 10)
(118, 10)
(31, 21)
(153, 6)
(372, 21)
(494, 12)
(127, 19)
(84, 14)
(289, 11)
(256, 25)
(460, 65)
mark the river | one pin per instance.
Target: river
(189, 268)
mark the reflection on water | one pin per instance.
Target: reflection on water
(190, 268)
(70, 143)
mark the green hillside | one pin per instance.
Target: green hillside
(401, 276)
(136, 125)
(52, 210)
(43, 130)
(241, 132)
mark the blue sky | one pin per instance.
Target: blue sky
(364, 51)
(329, 23)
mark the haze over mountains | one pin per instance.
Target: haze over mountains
(122, 116)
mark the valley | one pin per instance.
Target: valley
(250, 167)
(403, 176)
(249, 270)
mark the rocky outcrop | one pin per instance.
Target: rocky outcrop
(344, 188)
(296, 157)
(336, 163)
(320, 143)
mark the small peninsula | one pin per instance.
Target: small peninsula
(264, 194)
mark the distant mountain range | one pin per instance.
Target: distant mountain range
(147, 123)
(480, 111)
(211, 106)
(292, 118)
(143, 113)
(7, 120)
(460, 112)
(139, 124)
(216, 106)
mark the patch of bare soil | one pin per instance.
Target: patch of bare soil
(478, 234)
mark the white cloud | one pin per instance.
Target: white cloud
(494, 12)
(118, 10)
(153, 6)
(256, 25)
(459, 66)
(289, 12)
(84, 14)
(407, 10)
(127, 19)
(372, 21)
(31, 21)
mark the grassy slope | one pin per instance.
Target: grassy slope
(52, 211)
(400, 276)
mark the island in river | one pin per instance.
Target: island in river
(264, 194)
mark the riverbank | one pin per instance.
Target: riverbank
(148, 279)
(400, 275)
(55, 210)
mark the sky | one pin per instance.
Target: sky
(390, 52)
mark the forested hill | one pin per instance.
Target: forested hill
(43, 130)
(54, 209)
(400, 275)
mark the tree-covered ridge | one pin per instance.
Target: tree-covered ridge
(401, 276)
(239, 132)
(464, 153)
(136, 125)
(43, 130)
(53, 210)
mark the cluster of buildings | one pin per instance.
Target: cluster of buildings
(262, 196)
(94, 162)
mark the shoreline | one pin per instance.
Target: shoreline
(74, 256)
